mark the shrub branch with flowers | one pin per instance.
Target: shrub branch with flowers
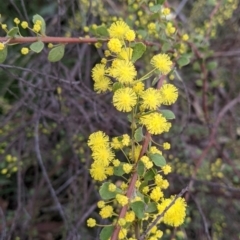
(136, 200)
(131, 168)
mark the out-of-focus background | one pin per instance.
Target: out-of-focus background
(48, 110)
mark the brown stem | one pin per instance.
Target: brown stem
(46, 39)
(135, 175)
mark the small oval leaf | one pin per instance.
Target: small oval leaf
(155, 8)
(140, 168)
(138, 51)
(158, 159)
(182, 61)
(37, 46)
(12, 32)
(138, 135)
(102, 31)
(56, 53)
(138, 208)
(168, 114)
(106, 232)
(151, 207)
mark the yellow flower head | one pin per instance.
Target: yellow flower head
(4, 26)
(101, 204)
(106, 211)
(116, 162)
(125, 140)
(98, 72)
(166, 146)
(36, 27)
(112, 187)
(166, 11)
(124, 99)
(162, 62)
(103, 155)
(169, 94)
(25, 50)
(123, 71)
(185, 37)
(114, 45)
(98, 139)
(24, 24)
(176, 214)
(130, 35)
(130, 216)
(122, 222)
(156, 194)
(103, 85)
(151, 99)
(118, 30)
(166, 169)
(121, 199)
(91, 222)
(122, 234)
(127, 168)
(16, 20)
(97, 172)
(154, 149)
(155, 123)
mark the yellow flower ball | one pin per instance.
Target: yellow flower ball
(25, 50)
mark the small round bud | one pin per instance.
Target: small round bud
(24, 24)
(24, 51)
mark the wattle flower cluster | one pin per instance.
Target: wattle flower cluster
(117, 73)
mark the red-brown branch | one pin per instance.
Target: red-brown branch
(135, 175)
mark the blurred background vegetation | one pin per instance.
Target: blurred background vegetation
(48, 110)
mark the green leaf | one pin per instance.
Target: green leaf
(212, 65)
(160, 1)
(142, 32)
(166, 46)
(118, 171)
(150, 175)
(140, 168)
(3, 54)
(138, 208)
(106, 232)
(105, 193)
(138, 135)
(37, 46)
(158, 159)
(168, 114)
(151, 207)
(12, 32)
(138, 51)
(155, 80)
(182, 61)
(102, 31)
(56, 53)
(116, 86)
(43, 25)
(155, 8)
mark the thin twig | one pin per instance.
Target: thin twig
(45, 175)
(205, 224)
